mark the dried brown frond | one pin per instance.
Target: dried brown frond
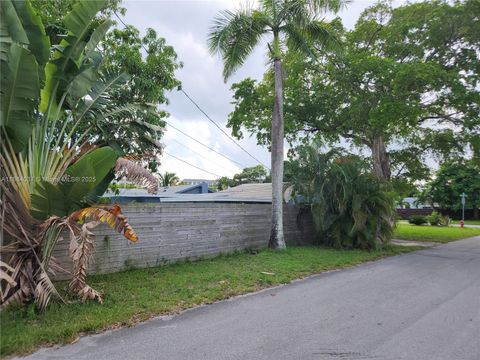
(137, 174)
(24, 253)
(81, 249)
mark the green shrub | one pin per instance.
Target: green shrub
(434, 218)
(351, 207)
(418, 220)
(445, 221)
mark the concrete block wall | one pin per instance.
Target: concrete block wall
(170, 232)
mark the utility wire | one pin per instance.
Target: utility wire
(206, 115)
(195, 166)
(208, 147)
(190, 149)
(219, 128)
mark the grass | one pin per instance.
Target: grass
(137, 295)
(433, 233)
(467, 222)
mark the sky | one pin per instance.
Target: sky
(185, 24)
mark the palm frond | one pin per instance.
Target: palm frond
(99, 97)
(137, 174)
(234, 35)
(81, 249)
(323, 6)
(80, 225)
(312, 35)
(111, 215)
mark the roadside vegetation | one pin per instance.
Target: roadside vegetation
(433, 233)
(350, 206)
(170, 289)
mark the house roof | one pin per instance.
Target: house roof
(163, 192)
(258, 193)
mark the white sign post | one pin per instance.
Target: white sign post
(463, 196)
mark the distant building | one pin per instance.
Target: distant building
(413, 203)
(199, 181)
(166, 192)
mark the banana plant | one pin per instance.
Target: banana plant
(50, 172)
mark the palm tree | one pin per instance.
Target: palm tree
(169, 179)
(293, 23)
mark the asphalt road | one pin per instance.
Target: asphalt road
(423, 305)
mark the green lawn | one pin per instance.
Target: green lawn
(137, 295)
(433, 233)
(467, 222)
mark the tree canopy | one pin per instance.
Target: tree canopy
(452, 179)
(254, 174)
(405, 88)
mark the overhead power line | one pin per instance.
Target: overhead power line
(206, 115)
(191, 150)
(195, 166)
(208, 147)
(219, 128)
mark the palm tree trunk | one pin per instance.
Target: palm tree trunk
(277, 240)
(381, 164)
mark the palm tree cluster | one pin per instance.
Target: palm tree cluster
(292, 24)
(50, 173)
(351, 207)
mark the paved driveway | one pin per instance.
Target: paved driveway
(423, 305)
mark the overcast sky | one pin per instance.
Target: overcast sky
(184, 24)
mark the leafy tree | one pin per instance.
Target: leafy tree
(224, 183)
(52, 14)
(405, 86)
(150, 76)
(235, 34)
(351, 207)
(451, 180)
(249, 175)
(254, 174)
(169, 179)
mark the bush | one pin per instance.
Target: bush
(445, 221)
(418, 220)
(434, 219)
(351, 207)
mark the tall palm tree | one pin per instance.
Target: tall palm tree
(169, 179)
(290, 23)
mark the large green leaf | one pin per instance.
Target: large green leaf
(20, 90)
(85, 174)
(38, 42)
(83, 82)
(47, 200)
(76, 187)
(12, 24)
(68, 57)
(97, 36)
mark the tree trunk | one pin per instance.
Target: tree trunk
(277, 240)
(381, 163)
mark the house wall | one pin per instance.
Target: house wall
(170, 232)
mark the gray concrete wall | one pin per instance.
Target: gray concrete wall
(170, 232)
